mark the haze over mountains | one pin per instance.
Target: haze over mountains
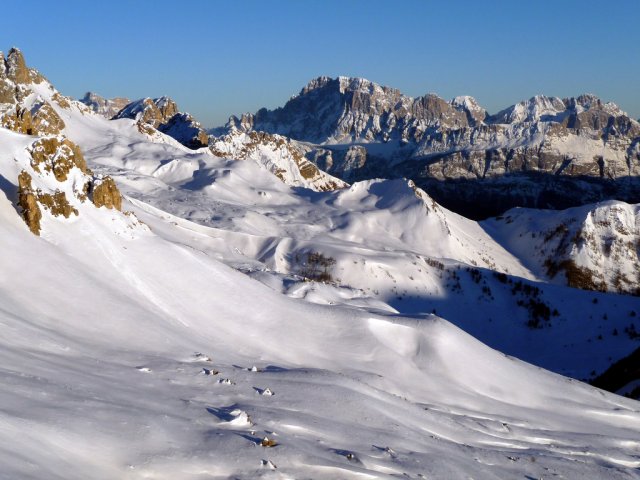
(182, 304)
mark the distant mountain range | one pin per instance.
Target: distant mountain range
(475, 163)
(544, 152)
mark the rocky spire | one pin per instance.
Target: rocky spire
(7, 94)
(17, 70)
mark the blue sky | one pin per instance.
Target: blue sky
(217, 58)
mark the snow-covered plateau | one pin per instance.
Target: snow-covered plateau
(159, 315)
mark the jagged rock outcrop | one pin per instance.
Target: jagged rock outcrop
(152, 111)
(18, 120)
(7, 89)
(280, 155)
(56, 180)
(106, 194)
(161, 114)
(57, 155)
(107, 107)
(28, 203)
(42, 119)
(16, 68)
(21, 110)
(185, 129)
(45, 120)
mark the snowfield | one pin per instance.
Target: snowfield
(181, 343)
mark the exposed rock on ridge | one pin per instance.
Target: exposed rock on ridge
(162, 114)
(280, 155)
(595, 247)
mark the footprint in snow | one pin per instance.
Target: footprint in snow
(143, 369)
(268, 464)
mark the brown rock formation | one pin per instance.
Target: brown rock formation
(106, 193)
(7, 89)
(58, 156)
(28, 203)
(19, 120)
(62, 101)
(45, 120)
(152, 111)
(17, 70)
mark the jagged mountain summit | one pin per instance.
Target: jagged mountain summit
(162, 114)
(458, 152)
(347, 110)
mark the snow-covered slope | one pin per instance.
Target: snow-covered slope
(124, 366)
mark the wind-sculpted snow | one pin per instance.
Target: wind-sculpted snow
(160, 369)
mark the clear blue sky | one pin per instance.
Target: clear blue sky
(216, 58)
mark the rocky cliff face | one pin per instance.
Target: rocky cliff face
(54, 179)
(344, 110)
(362, 130)
(162, 114)
(152, 111)
(107, 107)
(185, 129)
(21, 108)
(595, 247)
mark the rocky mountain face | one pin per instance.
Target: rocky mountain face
(162, 114)
(595, 247)
(185, 129)
(107, 107)
(53, 179)
(21, 109)
(347, 110)
(362, 130)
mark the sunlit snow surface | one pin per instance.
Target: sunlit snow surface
(129, 352)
